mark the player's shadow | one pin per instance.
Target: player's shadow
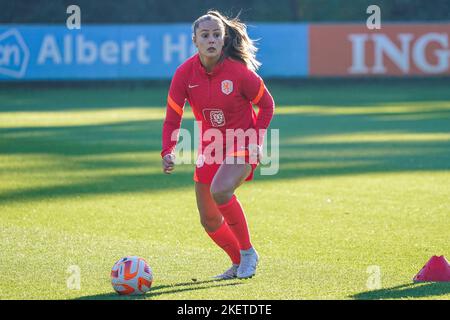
(411, 290)
(156, 291)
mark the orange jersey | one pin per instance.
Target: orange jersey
(221, 99)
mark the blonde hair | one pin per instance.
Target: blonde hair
(238, 44)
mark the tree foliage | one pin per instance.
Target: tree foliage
(171, 11)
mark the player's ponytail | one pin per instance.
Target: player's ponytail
(238, 44)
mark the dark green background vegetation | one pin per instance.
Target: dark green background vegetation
(157, 11)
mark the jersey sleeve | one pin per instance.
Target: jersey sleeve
(254, 89)
(176, 100)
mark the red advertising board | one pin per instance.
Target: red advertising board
(394, 50)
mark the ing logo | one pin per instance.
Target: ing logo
(14, 54)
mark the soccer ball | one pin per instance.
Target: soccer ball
(131, 275)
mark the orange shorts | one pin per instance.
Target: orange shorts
(205, 172)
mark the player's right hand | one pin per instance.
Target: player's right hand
(168, 163)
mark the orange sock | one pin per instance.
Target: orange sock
(225, 239)
(235, 217)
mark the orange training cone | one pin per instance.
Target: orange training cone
(436, 269)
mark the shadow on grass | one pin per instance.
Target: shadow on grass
(93, 148)
(59, 96)
(162, 290)
(98, 155)
(407, 291)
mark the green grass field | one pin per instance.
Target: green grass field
(364, 181)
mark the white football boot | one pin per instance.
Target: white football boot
(249, 261)
(229, 274)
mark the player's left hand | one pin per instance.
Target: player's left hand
(255, 152)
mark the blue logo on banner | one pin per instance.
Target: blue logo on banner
(34, 52)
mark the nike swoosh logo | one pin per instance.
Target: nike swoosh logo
(193, 86)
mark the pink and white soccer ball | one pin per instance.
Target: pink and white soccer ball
(131, 275)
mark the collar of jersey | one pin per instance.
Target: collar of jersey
(215, 71)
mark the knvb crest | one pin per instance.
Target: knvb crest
(227, 86)
(14, 54)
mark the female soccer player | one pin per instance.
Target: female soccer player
(221, 85)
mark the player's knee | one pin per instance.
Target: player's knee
(221, 194)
